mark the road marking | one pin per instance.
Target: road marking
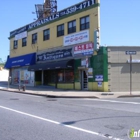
(113, 101)
(61, 124)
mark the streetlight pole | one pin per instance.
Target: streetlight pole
(130, 74)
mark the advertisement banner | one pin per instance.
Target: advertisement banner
(99, 78)
(70, 10)
(84, 49)
(99, 84)
(54, 55)
(90, 73)
(21, 35)
(76, 38)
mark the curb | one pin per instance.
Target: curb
(23, 92)
(128, 96)
(57, 96)
(49, 96)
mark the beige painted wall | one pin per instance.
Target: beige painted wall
(119, 69)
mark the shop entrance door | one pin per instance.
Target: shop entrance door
(84, 80)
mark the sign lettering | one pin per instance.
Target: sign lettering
(62, 13)
(59, 54)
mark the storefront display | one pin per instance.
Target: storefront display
(22, 76)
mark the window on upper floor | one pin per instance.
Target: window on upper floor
(84, 23)
(46, 34)
(72, 26)
(24, 42)
(60, 30)
(15, 44)
(34, 38)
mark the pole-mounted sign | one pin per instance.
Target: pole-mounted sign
(130, 53)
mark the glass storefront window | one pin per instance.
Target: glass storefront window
(69, 76)
(61, 76)
(22, 76)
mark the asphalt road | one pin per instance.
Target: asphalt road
(27, 117)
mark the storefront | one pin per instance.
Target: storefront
(54, 67)
(18, 67)
(59, 67)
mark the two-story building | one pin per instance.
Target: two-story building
(59, 50)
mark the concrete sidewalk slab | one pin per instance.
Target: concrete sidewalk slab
(60, 93)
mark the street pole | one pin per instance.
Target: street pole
(130, 74)
(8, 82)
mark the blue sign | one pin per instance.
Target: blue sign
(88, 53)
(54, 55)
(98, 77)
(99, 84)
(130, 52)
(24, 60)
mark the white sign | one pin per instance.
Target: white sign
(98, 77)
(76, 38)
(21, 35)
(134, 61)
(99, 84)
(90, 72)
(83, 62)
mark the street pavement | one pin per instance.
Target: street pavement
(31, 117)
(50, 91)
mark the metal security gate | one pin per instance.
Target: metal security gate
(84, 80)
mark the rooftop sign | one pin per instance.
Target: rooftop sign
(62, 13)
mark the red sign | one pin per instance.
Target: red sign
(84, 49)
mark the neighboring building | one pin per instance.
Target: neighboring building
(59, 50)
(4, 75)
(119, 68)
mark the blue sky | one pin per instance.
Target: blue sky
(120, 20)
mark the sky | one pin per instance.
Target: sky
(119, 20)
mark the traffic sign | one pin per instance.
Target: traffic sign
(130, 52)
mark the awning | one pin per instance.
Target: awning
(24, 60)
(52, 65)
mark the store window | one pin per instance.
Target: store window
(34, 38)
(72, 26)
(60, 30)
(65, 76)
(61, 76)
(24, 42)
(22, 76)
(15, 44)
(69, 76)
(46, 34)
(84, 23)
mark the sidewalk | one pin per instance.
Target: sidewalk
(49, 91)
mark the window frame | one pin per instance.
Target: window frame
(86, 24)
(61, 31)
(47, 36)
(24, 43)
(73, 28)
(34, 39)
(15, 44)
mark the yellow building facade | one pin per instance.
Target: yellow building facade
(71, 32)
(92, 11)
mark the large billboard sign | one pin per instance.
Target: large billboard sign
(67, 11)
(76, 38)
